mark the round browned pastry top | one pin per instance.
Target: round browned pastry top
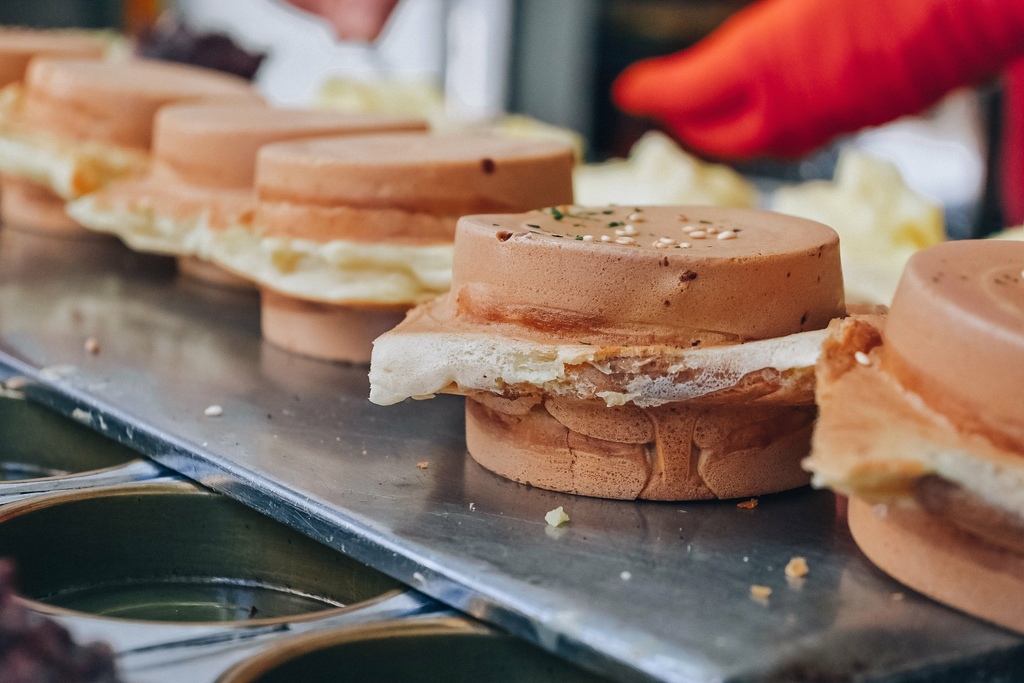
(18, 47)
(115, 102)
(447, 175)
(215, 144)
(640, 275)
(955, 335)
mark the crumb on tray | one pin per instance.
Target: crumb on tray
(556, 517)
(797, 568)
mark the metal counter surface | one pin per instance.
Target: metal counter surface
(638, 591)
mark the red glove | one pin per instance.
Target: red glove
(1012, 162)
(783, 77)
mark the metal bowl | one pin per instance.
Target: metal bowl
(36, 443)
(413, 651)
(173, 552)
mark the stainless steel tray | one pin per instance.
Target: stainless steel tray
(638, 591)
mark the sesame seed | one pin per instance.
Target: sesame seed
(685, 245)
(727, 235)
(606, 238)
(862, 358)
(713, 230)
(625, 240)
(666, 240)
(698, 234)
(620, 232)
(688, 228)
(625, 576)
(1022, 273)
(213, 411)
(630, 230)
(659, 245)
(588, 238)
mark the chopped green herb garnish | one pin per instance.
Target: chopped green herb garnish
(616, 224)
(556, 214)
(579, 238)
(704, 222)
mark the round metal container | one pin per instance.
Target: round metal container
(413, 651)
(38, 444)
(175, 553)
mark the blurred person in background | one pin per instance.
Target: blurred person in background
(783, 77)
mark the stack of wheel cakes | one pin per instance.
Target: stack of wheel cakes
(75, 125)
(664, 353)
(17, 49)
(200, 181)
(349, 233)
(922, 424)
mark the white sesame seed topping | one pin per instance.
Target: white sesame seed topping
(630, 230)
(625, 240)
(685, 245)
(698, 234)
(213, 411)
(727, 235)
(606, 238)
(862, 358)
(587, 238)
(688, 228)
(713, 230)
(620, 232)
(1022, 273)
(666, 240)
(659, 245)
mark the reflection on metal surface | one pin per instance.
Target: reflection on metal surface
(35, 441)
(298, 441)
(175, 553)
(43, 451)
(413, 651)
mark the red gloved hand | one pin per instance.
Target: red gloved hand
(785, 76)
(1012, 161)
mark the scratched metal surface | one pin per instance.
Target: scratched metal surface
(298, 441)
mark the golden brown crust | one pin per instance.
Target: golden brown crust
(325, 331)
(942, 561)
(673, 452)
